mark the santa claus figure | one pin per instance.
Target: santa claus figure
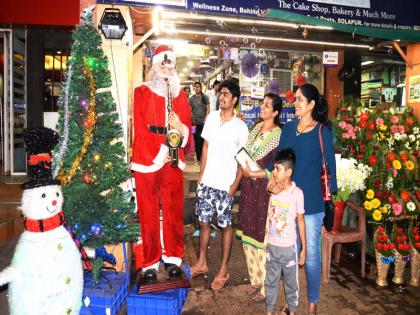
(161, 114)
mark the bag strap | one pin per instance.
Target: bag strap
(321, 143)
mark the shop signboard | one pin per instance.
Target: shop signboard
(330, 58)
(250, 101)
(287, 113)
(414, 89)
(369, 13)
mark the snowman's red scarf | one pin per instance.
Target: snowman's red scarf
(53, 223)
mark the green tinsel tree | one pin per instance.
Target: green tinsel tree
(90, 158)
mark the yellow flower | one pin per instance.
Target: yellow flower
(370, 193)
(409, 165)
(383, 209)
(375, 203)
(383, 127)
(377, 215)
(381, 135)
(368, 205)
(396, 164)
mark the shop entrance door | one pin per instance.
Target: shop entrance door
(13, 101)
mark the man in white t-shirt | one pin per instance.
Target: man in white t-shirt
(213, 96)
(224, 134)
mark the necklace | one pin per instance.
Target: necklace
(298, 133)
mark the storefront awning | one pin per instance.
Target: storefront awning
(383, 33)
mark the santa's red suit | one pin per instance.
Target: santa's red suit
(158, 183)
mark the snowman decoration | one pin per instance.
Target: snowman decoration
(46, 273)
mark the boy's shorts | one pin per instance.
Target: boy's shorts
(211, 200)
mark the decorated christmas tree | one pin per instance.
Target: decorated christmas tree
(90, 157)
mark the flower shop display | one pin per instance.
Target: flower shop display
(351, 177)
(389, 143)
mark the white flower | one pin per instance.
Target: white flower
(412, 138)
(392, 110)
(351, 176)
(389, 183)
(397, 136)
(411, 206)
(416, 130)
(407, 145)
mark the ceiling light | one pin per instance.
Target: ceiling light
(277, 39)
(112, 24)
(367, 62)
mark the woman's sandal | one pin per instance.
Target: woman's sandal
(258, 298)
(253, 289)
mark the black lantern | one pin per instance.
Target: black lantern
(112, 24)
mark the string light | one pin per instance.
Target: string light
(90, 125)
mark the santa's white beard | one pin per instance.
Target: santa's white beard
(159, 83)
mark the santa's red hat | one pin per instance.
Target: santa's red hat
(164, 56)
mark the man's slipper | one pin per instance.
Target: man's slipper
(217, 284)
(195, 273)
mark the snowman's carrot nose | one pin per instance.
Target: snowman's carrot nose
(54, 202)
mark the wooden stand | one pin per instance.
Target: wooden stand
(162, 283)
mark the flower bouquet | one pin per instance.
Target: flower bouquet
(402, 252)
(414, 237)
(384, 250)
(351, 177)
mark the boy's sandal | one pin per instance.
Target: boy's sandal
(284, 310)
(217, 284)
(195, 273)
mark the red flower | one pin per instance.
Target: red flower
(398, 239)
(400, 247)
(364, 116)
(386, 246)
(416, 230)
(405, 196)
(392, 200)
(409, 121)
(380, 238)
(391, 156)
(391, 246)
(343, 109)
(404, 238)
(371, 125)
(300, 80)
(417, 245)
(369, 135)
(363, 124)
(379, 246)
(404, 156)
(406, 246)
(359, 157)
(381, 230)
(372, 160)
(417, 238)
(378, 194)
(385, 238)
(378, 184)
(399, 230)
(388, 165)
(415, 153)
(290, 96)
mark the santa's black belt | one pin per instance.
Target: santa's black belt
(158, 129)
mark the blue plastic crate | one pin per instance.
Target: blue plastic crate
(103, 299)
(169, 302)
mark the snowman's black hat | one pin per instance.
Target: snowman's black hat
(39, 143)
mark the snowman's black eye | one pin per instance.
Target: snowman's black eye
(57, 194)
(43, 195)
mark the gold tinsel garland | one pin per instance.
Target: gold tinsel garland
(88, 134)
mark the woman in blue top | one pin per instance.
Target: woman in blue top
(302, 136)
